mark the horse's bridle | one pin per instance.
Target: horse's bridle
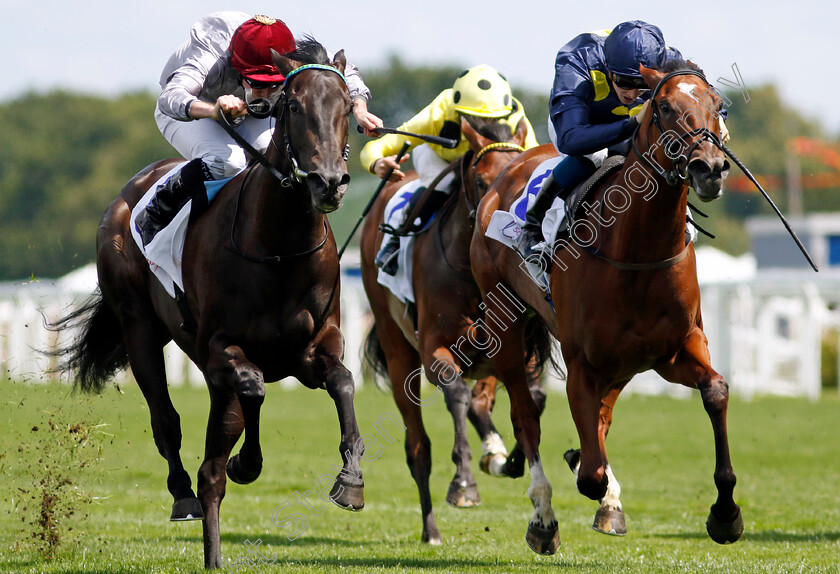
(297, 174)
(472, 202)
(258, 109)
(674, 175)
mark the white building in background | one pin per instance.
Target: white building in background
(767, 324)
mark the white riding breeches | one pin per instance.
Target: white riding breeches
(428, 166)
(207, 140)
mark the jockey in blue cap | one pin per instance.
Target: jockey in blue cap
(598, 99)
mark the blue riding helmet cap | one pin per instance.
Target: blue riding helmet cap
(633, 43)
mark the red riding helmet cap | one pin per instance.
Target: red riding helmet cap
(251, 46)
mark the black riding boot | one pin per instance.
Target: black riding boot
(170, 197)
(413, 220)
(532, 230)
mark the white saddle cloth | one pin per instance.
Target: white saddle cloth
(401, 283)
(164, 252)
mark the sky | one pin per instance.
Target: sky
(106, 48)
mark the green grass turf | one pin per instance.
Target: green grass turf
(784, 451)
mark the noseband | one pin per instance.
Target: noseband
(699, 135)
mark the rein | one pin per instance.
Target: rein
(269, 258)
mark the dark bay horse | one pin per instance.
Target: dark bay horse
(447, 339)
(261, 279)
(625, 297)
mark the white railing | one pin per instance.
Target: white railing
(764, 333)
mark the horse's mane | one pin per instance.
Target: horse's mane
(490, 128)
(309, 51)
(677, 65)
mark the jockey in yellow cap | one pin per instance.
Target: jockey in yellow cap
(479, 92)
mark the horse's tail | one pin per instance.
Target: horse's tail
(97, 351)
(539, 349)
(375, 357)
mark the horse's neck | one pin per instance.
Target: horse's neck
(281, 218)
(459, 228)
(653, 226)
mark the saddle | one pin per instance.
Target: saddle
(575, 199)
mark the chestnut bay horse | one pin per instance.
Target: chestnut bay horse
(444, 332)
(261, 279)
(623, 297)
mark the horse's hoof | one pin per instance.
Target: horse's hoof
(463, 496)
(492, 463)
(610, 521)
(240, 475)
(572, 457)
(542, 540)
(725, 532)
(432, 539)
(514, 466)
(186, 509)
(347, 496)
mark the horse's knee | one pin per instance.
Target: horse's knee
(457, 395)
(539, 396)
(715, 394)
(250, 384)
(592, 484)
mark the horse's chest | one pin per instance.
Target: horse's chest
(633, 330)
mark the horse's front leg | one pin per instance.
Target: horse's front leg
(609, 519)
(444, 372)
(585, 404)
(229, 369)
(323, 368)
(691, 367)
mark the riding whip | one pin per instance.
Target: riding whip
(376, 193)
(751, 177)
(441, 141)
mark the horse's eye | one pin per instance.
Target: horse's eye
(664, 107)
(294, 106)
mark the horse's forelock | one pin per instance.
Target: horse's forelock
(677, 65)
(309, 51)
(490, 128)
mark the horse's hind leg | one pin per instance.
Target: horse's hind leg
(514, 466)
(493, 450)
(224, 427)
(144, 345)
(403, 370)
(444, 373)
(691, 368)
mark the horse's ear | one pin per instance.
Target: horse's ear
(651, 76)
(284, 64)
(339, 61)
(521, 133)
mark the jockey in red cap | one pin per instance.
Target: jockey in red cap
(225, 65)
